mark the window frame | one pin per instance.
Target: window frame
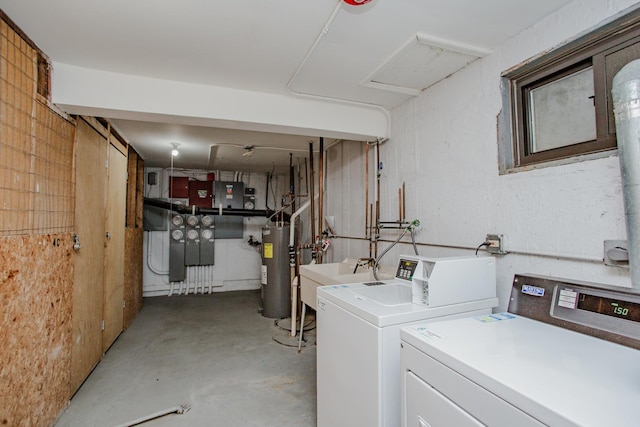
(588, 50)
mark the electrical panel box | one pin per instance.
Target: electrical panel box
(152, 178)
(207, 240)
(192, 245)
(154, 218)
(229, 227)
(179, 188)
(201, 193)
(249, 198)
(229, 194)
(177, 238)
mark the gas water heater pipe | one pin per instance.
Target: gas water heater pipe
(295, 215)
(311, 179)
(626, 106)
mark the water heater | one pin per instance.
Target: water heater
(276, 273)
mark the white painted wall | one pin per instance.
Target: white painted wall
(443, 144)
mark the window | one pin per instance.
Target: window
(560, 102)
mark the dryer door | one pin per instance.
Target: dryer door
(426, 407)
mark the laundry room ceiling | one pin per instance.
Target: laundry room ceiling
(382, 53)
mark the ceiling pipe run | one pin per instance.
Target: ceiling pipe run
(196, 210)
(626, 107)
(320, 36)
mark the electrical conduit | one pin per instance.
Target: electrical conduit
(626, 106)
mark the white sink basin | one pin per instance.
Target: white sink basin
(314, 275)
(391, 294)
(341, 272)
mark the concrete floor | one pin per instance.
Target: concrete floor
(212, 352)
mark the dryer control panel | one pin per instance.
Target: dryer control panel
(603, 311)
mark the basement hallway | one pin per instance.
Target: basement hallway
(215, 353)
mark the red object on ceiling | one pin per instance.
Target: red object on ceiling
(356, 2)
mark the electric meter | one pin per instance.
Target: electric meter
(207, 220)
(192, 220)
(177, 220)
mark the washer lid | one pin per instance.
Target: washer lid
(383, 306)
(560, 377)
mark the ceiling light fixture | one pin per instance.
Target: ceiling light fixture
(249, 151)
(175, 151)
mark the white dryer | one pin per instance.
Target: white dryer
(358, 337)
(565, 355)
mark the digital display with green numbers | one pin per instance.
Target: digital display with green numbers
(609, 307)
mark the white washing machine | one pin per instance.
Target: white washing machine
(566, 354)
(358, 337)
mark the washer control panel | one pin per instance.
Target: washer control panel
(406, 269)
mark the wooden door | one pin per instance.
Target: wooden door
(114, 247)
(91, 153)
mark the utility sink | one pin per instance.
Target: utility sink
(335, 273)
(386, 294)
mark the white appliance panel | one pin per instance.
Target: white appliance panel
(484, 406)
(426, 407)
(358, 353)
(557, 376)
(347, 343)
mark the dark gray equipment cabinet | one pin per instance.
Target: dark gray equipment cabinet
(207, 240)
(192, 246)
(154, 218)
(229, 194)
(177, 239)
(229, 227)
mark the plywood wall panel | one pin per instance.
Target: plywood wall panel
(132, 274)
(114, 258)
(132, 177)
(35, 328)
(91, 152)
(140, 193)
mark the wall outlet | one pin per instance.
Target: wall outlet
(496, 244)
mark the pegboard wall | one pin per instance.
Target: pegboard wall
(37, 189)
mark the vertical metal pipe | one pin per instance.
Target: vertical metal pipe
(370, 226)
(377, 231)
(292, 185)
(366, 191)
(320, 192)
(404, 202)
(312, 194)
(626, 106)
(266, 192)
